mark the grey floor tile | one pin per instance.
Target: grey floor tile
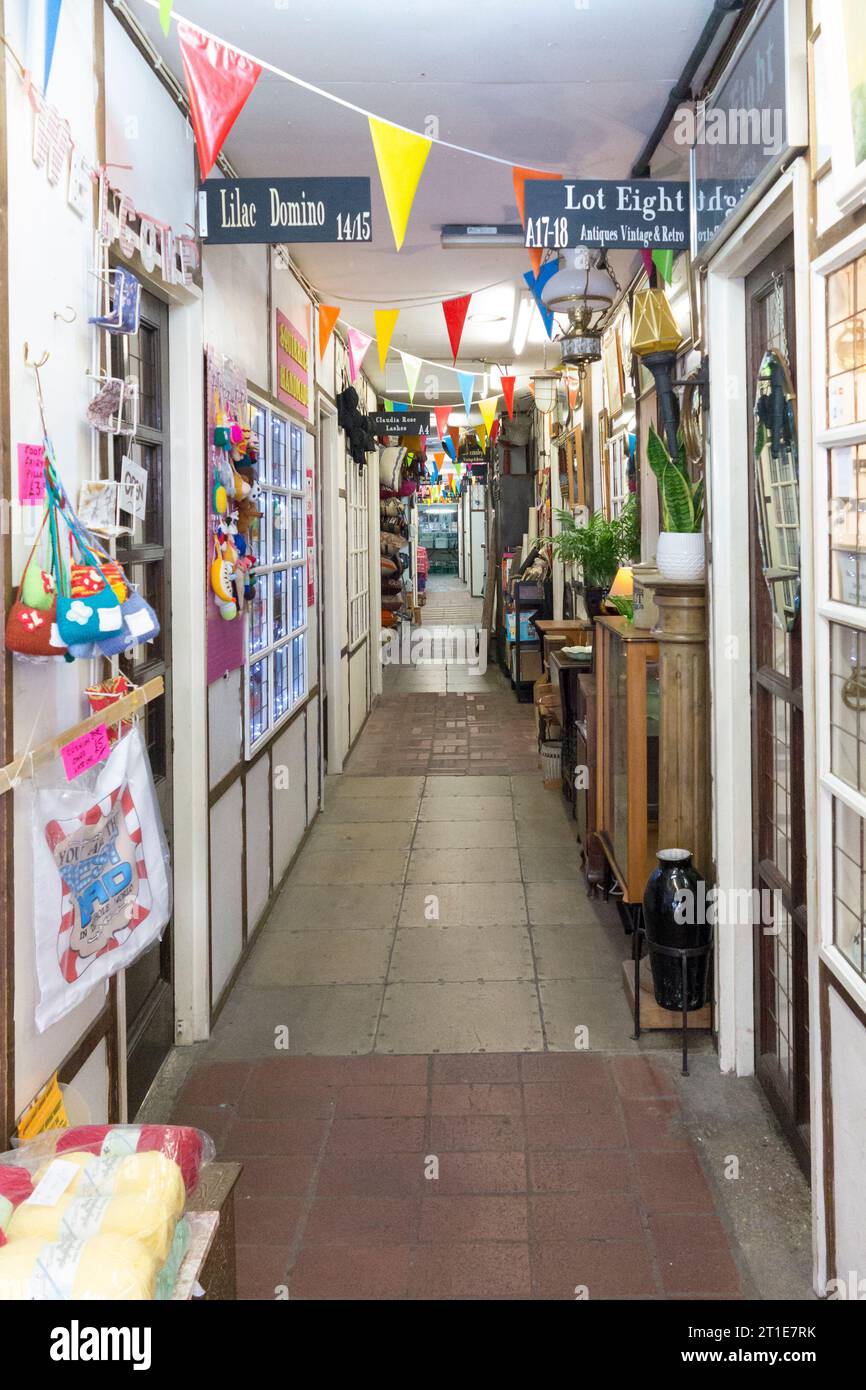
(348, 810)
(539, 832)
(463, 904)
(320, 958)
(558, 902)
(541, 864)
(431, 953)
(578, 952)
(369, 866)
(348, 786)
(337, 835)
(495, 1017)
(453, 808)
(462, 866)
(443, 785)
(327, 1019)
(484, 834)
(594, 1006)
(307, 907)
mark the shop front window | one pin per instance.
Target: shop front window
(276, 666)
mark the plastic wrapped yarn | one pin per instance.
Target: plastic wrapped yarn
(106, 1267)
(188, 1148)
(15, 1187)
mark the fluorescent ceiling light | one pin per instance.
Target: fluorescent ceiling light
(521, 326)
(482, 234)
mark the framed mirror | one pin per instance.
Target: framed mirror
(777, 486)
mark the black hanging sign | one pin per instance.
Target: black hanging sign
(274, 210)
(397, 422)
(621, 214)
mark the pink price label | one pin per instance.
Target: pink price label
(31, 475)
(85, 751)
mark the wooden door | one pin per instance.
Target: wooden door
(778, 801)
(145, 557)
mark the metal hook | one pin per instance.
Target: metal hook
(63, 317)
(28, 362)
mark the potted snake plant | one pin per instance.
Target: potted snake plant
(680, 550)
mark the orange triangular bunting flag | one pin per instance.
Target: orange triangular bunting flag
(519, 177)
(328, 315)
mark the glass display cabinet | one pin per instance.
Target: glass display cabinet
(627, 805)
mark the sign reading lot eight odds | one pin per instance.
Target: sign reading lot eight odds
(622, 214)
(272, 210)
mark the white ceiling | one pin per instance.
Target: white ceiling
(564, 85)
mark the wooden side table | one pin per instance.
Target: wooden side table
(215, 1193)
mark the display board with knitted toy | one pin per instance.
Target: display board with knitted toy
(233, 514)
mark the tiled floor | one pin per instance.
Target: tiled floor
(426, 1065)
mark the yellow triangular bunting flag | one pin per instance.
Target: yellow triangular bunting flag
(481, 436)
(385, 322)
(401, 156)
(488, 411)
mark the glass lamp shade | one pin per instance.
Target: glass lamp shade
(623, 583)
(545, 392)
(578, 282)
(654, 327)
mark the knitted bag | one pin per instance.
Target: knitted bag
(33, 631)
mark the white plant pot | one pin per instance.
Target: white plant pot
(680, 555)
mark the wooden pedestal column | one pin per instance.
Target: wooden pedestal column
(684, 779)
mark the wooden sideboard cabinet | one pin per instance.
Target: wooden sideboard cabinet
(627, 800)
(592, 857)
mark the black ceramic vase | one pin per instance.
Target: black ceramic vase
(674, 909)
(594, 596)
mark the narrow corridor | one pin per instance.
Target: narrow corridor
(396, 1066)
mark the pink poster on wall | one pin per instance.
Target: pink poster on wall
(226, 390)
(293, 366)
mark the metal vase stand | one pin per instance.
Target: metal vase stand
(684, 954)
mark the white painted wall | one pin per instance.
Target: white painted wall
(848, 1098)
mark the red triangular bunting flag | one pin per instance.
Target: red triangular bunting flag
(507, 384)
(494, 433)
(218, 82)
(442, 412)
(455, 311)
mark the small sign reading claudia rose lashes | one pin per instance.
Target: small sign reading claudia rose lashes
(399, 422)
(624, 214)
(276, 210)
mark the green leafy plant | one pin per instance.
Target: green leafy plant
(601, 546)
(623, 606)
(682, 500)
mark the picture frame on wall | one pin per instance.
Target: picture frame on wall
(603, 430)
(843, 26)
(612, 372)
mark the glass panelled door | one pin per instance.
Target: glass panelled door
(145, 557)
(778, 809)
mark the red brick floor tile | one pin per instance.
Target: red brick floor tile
(289, 1175)
(471, 1133)
(215, 1120)
(374, 1069)
(381, 1100)
(377, 1134)
(580, 1217)
(478, 1098)
(494, 1270)
(453, 1219)
(362, 1221)
(481, 1172)
(267, 1220)
(693, 1254)
(351, 1272)
(261, 1269)
(672, 1182)
(597, 1127)
(214, 1083)
(262, 1100)
(560, 1097)
(371, 1175)
(612, 1269)
(273, 1137)
(585, 1073)
(655, 1124)
(488, 1066)
(584, 1171)
(642, 1078)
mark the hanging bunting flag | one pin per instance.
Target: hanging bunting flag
(52, 19)
(507, 383)
(488, 411)
(411, 368)
(218, 82)
(385, 322)
(358, 343)
(450, 446)
(454, 436)
(438, 459)
(519, 177)
(442, 413)
(467, 386)
(400, 406)
(401, 156)
(455, 311)
(647, 258)
(494, 433)
(664, 264)
(328, 315)
(165, 9)
(573, 393)
(481, 436)
(536, 283)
